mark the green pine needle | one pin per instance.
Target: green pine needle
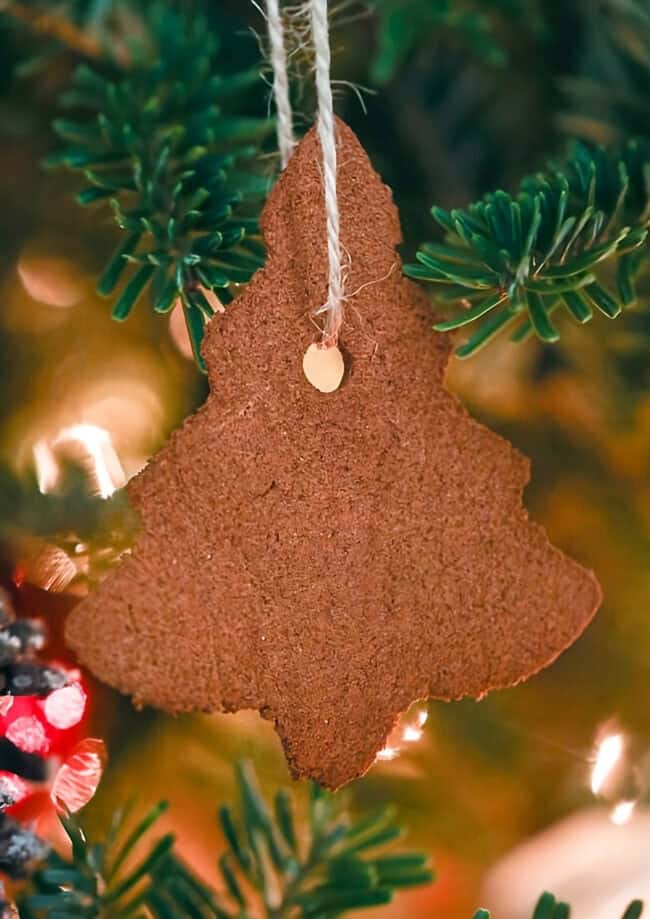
(336, 869)
(153, 139)
(512, 261)
(547, 907)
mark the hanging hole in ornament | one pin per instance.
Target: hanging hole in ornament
(324, 367)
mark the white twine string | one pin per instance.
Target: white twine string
(333, 307)
(286, 140)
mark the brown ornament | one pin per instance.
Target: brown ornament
(328, 559)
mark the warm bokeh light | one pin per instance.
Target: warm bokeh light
(615, 778)
(78, 777)
(608, 755)
(178, 331)
(65, 707)
(585, 859)
(51, 279)
(106, 417)
(28, 734)
(129, 406)
(409, 730)
(622, 812)
(47, 566)
(92, 447)
(178, 327)
(51, 725)
(387, 754)
(86, 445)
(46, 466)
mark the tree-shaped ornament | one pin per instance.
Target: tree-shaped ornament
(328, 558)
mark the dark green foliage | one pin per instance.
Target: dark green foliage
(609, 97)
(265, 870)
(93, 880)
(25, 509)
(548, 907)
(152, 138)
(405, 24)
(67, 518)
(512, 261)
(333, 871)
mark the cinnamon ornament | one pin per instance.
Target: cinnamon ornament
(328, 558)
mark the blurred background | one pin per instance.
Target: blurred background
(542, 786)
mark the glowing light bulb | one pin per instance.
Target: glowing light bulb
(48, 566)
(52, 280)
(47, 468)
(622, 812)
(608, 754)
(615, 777)
(411, 734)
(100, 454)
(387, 754)
(412, 731)
(408, 730)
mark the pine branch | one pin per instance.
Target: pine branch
(548, 907)
(335, 871)
(512, 261)
(266, 864)
(176, 169)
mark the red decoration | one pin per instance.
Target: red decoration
(50, 727)
(76, 781)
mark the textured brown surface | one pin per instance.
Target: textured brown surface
(329, 559)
